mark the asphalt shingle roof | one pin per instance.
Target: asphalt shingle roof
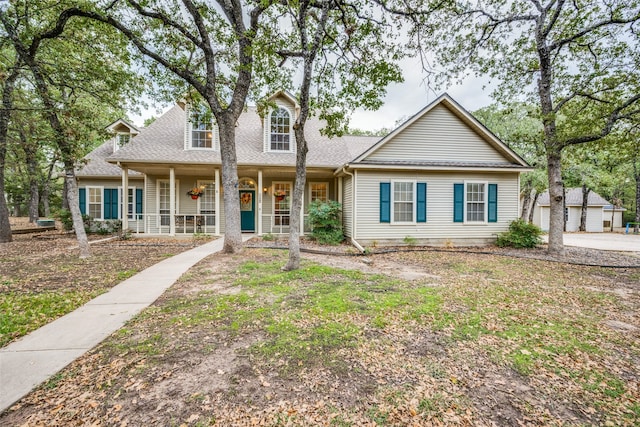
(574, 198)
(163, 142)
(97, 166)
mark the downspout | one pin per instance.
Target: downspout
(353, 210)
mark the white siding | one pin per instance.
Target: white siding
(438, 135)
(347, 206)
(439, 226)
(594, 218)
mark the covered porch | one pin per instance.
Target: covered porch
(187, 199)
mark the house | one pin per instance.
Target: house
(598, 211)
(440, 177)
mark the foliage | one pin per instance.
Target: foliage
(64, 216)
(521, 234)
(325, 220)
(562, 47)
(410, 240)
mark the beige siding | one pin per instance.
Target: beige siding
(438, 136)
(439, 225)
(347, 206)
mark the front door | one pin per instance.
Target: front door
(247, 210)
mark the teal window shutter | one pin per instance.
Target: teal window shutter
(493, 203)
(385, 202)
(138, 201)
(458, 202)
(82, 195)
(110, 203)
(421, 200)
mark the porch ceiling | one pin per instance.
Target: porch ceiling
(201, 170)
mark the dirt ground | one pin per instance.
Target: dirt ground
(197, 375)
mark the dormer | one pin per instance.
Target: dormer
(278, 120)
(201, 130)
(123, 133)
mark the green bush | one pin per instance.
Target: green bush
(326, 225)
(64, 216)
(521, 234)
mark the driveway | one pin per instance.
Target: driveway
(603, 241)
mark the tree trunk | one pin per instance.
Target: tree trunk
(556, 202)
(32, 172)
(74, 207)
(526, 202)
(233, 232)
(636, 173)
(5, 114)
(585, 205)
(296, 203)
(46, 190)
(533, 206)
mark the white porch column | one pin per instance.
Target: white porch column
(259, 191)
(125, 199)
(340, 189)
(217, 201)
(144, 207)
(302, 215)
(172, 202)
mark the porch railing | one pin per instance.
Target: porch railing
(185, 224)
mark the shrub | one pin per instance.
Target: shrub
(326, 225)
(521, 234)
(64, 216)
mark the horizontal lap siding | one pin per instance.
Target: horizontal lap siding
(438, 136)
(439, 223)
(347, 206)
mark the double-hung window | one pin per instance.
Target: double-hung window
(403, 202)
(94, 202)
(203, 130)
(319, 191)
(475, 202)
(281, 203)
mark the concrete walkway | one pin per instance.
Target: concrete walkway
(34, 358)
(603, 241)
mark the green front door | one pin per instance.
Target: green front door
(248, 210)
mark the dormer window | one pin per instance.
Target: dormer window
(203, 133)
(123, 139)
(280, 135)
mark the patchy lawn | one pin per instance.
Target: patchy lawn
(43, 278)
(424, 338)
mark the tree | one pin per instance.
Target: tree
(335, 41)
(211, 47)
(94, 66)
(583, 57)
(517, 125)
(12, 72)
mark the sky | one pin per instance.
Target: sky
(401, 101)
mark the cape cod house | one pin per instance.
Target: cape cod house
(440, 177)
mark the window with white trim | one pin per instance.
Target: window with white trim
(207, 202)
(318, 191)
(281, 203)
(131, 202)
(164, 200)
(280, 130)
(94, 202)
(403, 201)
(476, 201)
(203, 129)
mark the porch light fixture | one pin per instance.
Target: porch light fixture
(265, 189)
